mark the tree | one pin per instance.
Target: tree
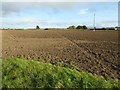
(37, 27)
(71, 27)
(46, 29)
(84, 27)
(79, 27)
(103, 28)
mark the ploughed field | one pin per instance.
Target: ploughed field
(95, 52)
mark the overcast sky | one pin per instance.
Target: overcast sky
(58, 14)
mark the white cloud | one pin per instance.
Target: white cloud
(32, 22)
(83, 11)
(87, 10)
(108, 23)
(23, 21)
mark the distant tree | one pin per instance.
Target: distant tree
(71, 27)
(104, 28)
(84, 27)
(79, 27)
(46, 29)
(37, 27)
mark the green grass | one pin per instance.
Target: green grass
(20, 73)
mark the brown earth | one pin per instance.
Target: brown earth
(94, 52)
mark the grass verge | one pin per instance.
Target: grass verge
(21, 73)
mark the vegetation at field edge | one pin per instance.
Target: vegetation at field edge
(21, 73)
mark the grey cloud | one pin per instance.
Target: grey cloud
(14, 8)
(9, 8)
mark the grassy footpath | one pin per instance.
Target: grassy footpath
(20, 73)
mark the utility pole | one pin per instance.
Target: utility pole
(94, 22)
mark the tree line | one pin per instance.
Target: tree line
(78, 27)
(84, 27)
(70, 27)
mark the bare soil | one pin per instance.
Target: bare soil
(91, 51)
